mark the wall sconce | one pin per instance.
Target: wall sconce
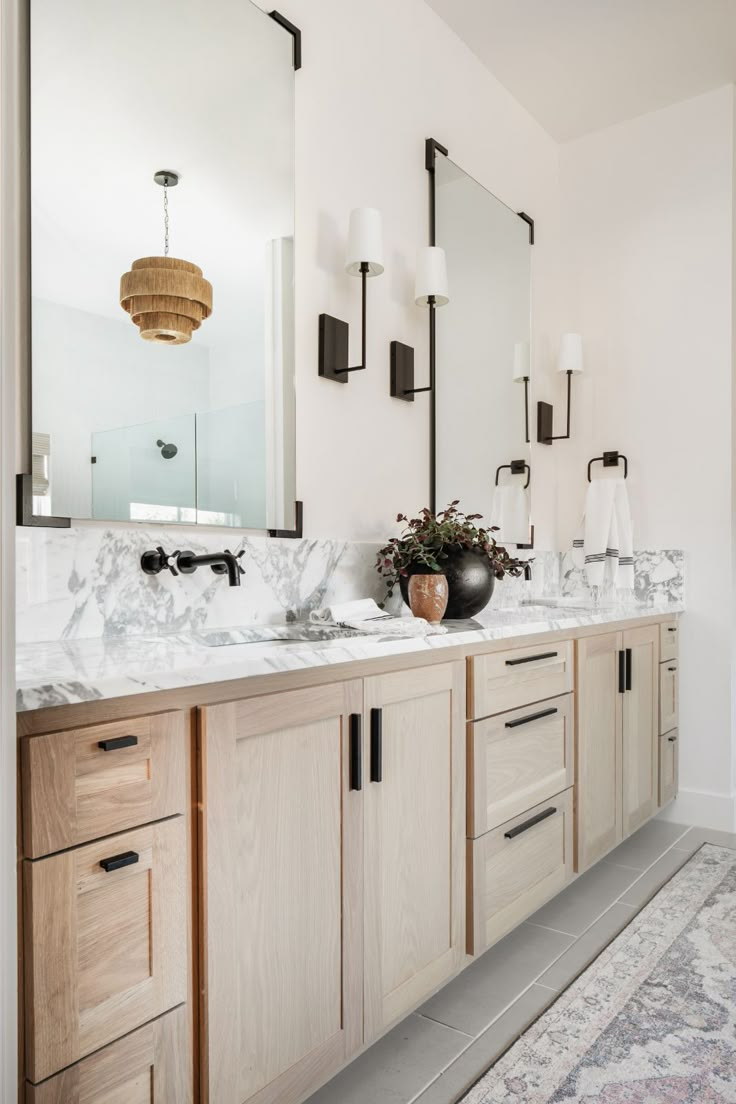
(521, 373)
(364, 258)
(430, 291)
(570, 361)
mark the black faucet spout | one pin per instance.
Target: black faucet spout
(222, 563)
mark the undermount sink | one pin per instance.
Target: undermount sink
(274, 634)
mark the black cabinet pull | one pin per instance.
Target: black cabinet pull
(530, 659)
(672, 630)
(621, 672)
(671, 668)
(628, 668)
(527, 824)
(117, 862)
(356, 753)
(672, 739)
(376, 745)
(117, 743)
(531, 717)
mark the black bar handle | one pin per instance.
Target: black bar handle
(531, 717)
(117, 862)
(671, 668)
(117, 743)
(527, 824)
(621, 672)
(629, 664)
(672, 629)
(376, 745)
(672, 739)
(530, 659)
(356, 752)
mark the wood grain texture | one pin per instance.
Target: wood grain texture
(599, 750)
(669, 769)
(640, 764)
(512, 769)
(73, 791)
(669, 695)
(104, 952)
(497, 686)
(62, 717)
(148, 1066)
(414, 845)
(669, 642)
(283, 886)
(511, 878)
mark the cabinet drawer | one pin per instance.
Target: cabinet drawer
(515, 868)
(152, 1064)
(510, 679)
(669, 633)
(668, 766)
(518, 759)
(90, 782)
(105, 942)
(669, 695)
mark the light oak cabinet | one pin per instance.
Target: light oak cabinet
(668, 766)
(617, 767)
(669, 695)
(414, 838)
(518, 676)
(333, 873)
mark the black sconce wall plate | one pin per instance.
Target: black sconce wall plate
(402, 371)
(545, 432)
(333, 348)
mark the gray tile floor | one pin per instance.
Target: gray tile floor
(437, 1053)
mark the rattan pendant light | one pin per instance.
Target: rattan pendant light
(166, 298)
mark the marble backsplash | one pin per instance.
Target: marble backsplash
(87, 582)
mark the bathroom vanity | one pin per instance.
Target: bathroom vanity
(232, 886)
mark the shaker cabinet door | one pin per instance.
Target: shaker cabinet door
(414, 838)
(640, 726)
(282, 873)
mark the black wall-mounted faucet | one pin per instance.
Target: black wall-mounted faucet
(222, 563)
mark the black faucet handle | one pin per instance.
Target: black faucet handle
(157, 560)
(238, 556)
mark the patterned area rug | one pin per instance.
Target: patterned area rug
(653, 1019)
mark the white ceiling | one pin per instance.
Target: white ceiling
(581, 65)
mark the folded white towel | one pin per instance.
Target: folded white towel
(604, 544)
(510, 512)
(366, 616)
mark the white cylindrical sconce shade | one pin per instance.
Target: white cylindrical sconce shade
(522, 360)
(571, 353)
(365, 242)
(431, 276)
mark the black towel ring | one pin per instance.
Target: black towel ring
(610, 460)
(516, 467)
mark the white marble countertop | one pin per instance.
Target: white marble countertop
(70, 672)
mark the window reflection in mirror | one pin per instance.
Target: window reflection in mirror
(119, 92)
(483, 342)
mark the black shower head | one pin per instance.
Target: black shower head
(167, 451)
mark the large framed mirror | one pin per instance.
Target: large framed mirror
(162, 262)
(483, 354)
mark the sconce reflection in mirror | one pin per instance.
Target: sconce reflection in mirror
(364, 259)
(166, 298)
(167, 451)
(431, 292)
(522, 368)
(570, 361)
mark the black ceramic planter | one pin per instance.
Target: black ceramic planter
(470, 580)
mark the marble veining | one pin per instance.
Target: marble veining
(73, 671)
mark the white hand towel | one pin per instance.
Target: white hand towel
(599, 514)
(625, 574)
(510, 512)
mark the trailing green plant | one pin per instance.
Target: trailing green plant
(427, 539)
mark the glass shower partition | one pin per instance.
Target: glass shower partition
(231, 467)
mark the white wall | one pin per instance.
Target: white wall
(377, 80)
(647, 225)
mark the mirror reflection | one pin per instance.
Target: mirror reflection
(162, 238)
(483, 354)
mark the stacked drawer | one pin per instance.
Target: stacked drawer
(105, 873)
(669, 692)
(520, 778)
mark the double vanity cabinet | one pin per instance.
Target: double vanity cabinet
(229, 890)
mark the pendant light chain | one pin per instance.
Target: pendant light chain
(166, 219)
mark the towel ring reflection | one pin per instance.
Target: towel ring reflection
(516, 467)
(609, 460)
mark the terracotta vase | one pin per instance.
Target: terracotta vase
(428, 595)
